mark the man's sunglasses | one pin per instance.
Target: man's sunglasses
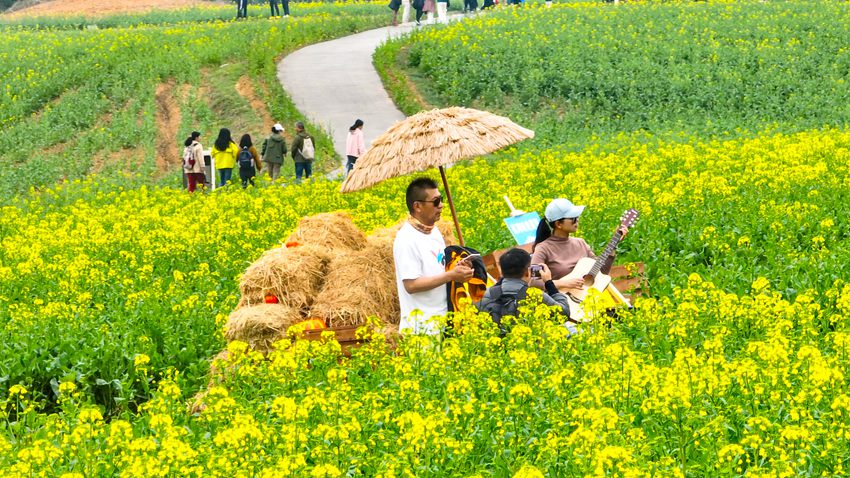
(436, 201)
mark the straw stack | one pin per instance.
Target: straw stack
(385, 237)
(292, 274)
(334, 230)
(218, 366)
(358, 285)
(392, 334)
(447, 228)
(382, 240)
(261, 325)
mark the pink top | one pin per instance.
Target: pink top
(354, 145)
(561, 254)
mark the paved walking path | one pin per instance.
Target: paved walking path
(333, 83)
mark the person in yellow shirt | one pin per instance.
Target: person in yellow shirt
(224, 153)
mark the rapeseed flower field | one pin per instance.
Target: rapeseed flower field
(710, 68)
(738, 364)
(114, 292)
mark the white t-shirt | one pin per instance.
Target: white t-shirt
(419, 255)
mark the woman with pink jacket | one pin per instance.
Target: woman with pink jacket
(354, 144)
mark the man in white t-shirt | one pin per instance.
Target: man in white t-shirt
(418, 251)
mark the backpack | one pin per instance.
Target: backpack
(245, 159)
(308, 152)
(502, 304)
(476, 286)
(188, 159)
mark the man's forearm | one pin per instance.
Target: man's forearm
(422, 284)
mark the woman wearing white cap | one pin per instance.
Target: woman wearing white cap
(555, 247)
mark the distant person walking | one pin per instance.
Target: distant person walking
(224, 153)
(194, 166)
(303, 152)
(394, 6)
(249, 161)
(354, 144)
(430, 7)
(418, 5)
(285, 4)
(274, 150)
(275, 8)
(241, 8)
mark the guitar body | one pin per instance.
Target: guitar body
(582, 271)
(589, 270)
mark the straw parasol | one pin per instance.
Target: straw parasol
(433, 139)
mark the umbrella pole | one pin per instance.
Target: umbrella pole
(451, 205)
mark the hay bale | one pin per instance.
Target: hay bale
(261, 325)
(385, 237)
(386, 232)
(382, 240)
(334, 230)
(447, 228)
(219, 360)
(358, 285)
(392, 334)
(292, 274)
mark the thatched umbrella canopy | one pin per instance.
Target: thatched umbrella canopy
(433, 139)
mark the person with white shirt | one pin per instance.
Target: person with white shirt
(419, 251)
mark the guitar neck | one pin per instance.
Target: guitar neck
(603, 258)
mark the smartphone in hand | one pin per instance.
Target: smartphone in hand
(535, 271)
(468, 259)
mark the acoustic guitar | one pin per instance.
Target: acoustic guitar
(589, 269)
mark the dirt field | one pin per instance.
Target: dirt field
(98, 7)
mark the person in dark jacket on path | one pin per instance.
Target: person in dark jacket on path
(274, 150)
(303, 161)
(418, 5)
(241, 8)
(275, 8)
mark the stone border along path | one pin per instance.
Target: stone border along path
(334, 82)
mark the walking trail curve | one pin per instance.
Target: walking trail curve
(333, 83)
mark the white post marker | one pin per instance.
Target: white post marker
(212, 173)
(442, 12)
(405, 15)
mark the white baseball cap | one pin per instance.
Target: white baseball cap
(278, 127)
(562, 208)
